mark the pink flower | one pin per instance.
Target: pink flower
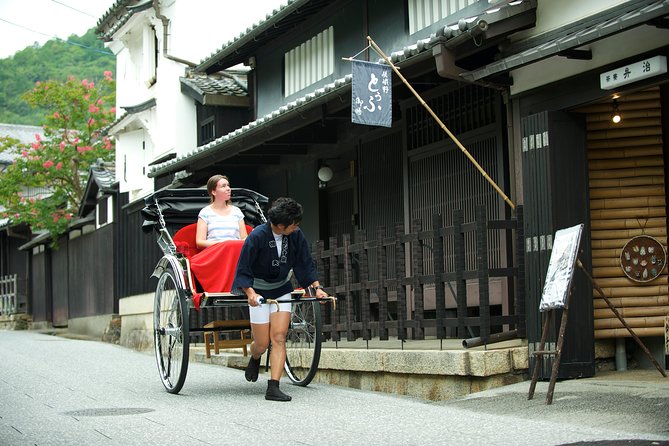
(82, 149)
(91, 121)
(59, 166)
(38, 83)
(112, 110)
(24, 153)
(108, 75)
(93, 109)
(17, 215)
(87, 96)
(47, 164)
(84, 82)
(68, 216)
(56, 115)
(36, 145)
(38, 138)
(99, 102)
(62, 146)
(55, 218)
(91, 85)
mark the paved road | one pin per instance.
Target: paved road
(59, 391)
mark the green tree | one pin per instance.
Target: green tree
(44, 185)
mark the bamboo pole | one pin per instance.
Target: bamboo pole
(634, 203)
(626, 182)
(634, 322)
(616, 282)
(626, 192)
(619, 243)
(627, 173)
(624, 333)
(628, 223)
(605, 214)
(648, 290)
(625, 234)
(632, 312)
(625, 152)
(441, 124)
(633, 302)
(625, 163)
(613, 134)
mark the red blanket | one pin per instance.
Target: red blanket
(215, 266)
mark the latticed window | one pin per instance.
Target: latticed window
(462, 110)
(423, 13)
(309, 62)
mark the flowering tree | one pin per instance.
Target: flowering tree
(44, 185)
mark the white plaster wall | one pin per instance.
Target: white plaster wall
(202, 27)
(620, 46)
(552, 14)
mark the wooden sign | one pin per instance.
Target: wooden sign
(561, 268)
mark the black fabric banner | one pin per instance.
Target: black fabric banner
(371, 94)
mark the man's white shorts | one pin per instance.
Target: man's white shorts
(260, 314)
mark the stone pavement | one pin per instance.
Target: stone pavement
(218, 406)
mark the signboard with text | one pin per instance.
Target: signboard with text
(371, 94)
(634, 72)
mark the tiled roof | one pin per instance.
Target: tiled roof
(101, 179)
(129, 110)
(235, 85)
(118, 15)
(607, 23)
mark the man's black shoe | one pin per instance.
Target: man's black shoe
(273, 393)
(252, 369)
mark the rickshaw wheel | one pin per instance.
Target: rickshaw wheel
(170, 327)
(303, 342)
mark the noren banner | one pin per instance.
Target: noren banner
(371, 94)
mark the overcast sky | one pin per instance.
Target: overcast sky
(24, 22)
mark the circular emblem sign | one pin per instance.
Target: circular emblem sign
(643, 258)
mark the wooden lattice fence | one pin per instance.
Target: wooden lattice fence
(397, 285)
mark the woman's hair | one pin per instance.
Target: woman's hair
(211, 186)
(285, 211)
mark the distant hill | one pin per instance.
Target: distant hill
(84, 57)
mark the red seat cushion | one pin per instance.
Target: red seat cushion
(184, 239)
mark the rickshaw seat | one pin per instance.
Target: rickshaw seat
(184, 240)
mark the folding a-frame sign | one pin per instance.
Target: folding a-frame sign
(555, 296)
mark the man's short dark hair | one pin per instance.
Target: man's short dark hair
(285, 211)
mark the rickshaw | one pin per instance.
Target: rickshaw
(172, 214)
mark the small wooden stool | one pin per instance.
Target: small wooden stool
(213, 336)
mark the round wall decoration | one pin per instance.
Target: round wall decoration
(643, 258)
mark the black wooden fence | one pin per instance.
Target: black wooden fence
(382, 284)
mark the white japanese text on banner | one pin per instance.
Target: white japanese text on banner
(371, 94)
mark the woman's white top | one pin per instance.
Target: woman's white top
(222, 227)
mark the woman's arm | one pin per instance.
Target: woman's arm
(242, 229)
(201, 235)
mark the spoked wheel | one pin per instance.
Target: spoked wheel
(170, 326)
(303, 342)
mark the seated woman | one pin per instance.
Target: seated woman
(220, 220)
(221, 230)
